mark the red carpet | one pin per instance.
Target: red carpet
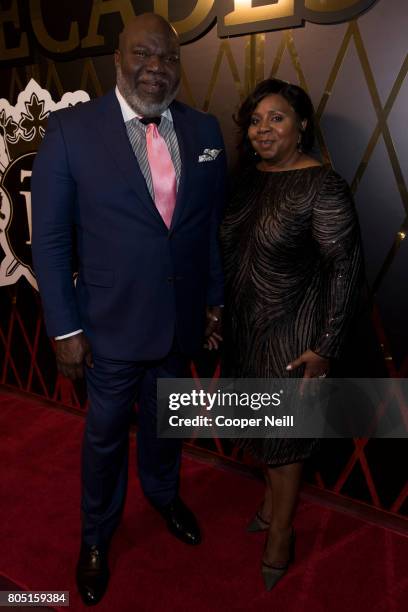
(342, 563)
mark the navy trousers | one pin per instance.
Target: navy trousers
(113, 388)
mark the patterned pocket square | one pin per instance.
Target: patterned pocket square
(209, 155)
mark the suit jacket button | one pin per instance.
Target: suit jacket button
(170, 279)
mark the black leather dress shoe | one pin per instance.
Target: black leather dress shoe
(181, 522)
(92, 574)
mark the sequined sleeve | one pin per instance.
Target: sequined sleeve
(336, 231)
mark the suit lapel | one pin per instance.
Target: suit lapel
(115, 137)
(114, 134)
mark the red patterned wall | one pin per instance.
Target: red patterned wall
(372, 471)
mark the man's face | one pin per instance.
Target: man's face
(148, 68)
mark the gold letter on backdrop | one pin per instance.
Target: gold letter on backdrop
(334, 11)
(192, 26)
(244, 12)
(246, 18)
(105, 7)
(45, 40)
(12, 16)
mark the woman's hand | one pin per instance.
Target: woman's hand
(212, 341)
(315, 366)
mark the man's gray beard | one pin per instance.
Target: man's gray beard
(144, 109)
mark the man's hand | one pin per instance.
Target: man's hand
(71, 353)
(214, 326)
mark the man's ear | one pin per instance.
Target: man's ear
(117, 57)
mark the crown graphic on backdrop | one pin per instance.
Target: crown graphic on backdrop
(22, 128)
(26, 135)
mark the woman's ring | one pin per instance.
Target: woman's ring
(323, 375)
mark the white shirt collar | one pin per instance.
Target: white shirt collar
(128, 113)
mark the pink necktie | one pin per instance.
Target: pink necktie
(163, 173)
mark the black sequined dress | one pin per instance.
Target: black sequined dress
(293, 269)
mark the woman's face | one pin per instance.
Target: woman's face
(274, 129)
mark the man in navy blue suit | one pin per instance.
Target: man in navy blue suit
(136, 181)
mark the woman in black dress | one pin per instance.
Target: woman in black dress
(293, 274)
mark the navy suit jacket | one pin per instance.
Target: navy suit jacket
(139, 284)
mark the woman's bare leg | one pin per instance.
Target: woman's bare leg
(284, 484)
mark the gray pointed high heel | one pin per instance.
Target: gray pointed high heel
(271, 574)
(257, 523)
